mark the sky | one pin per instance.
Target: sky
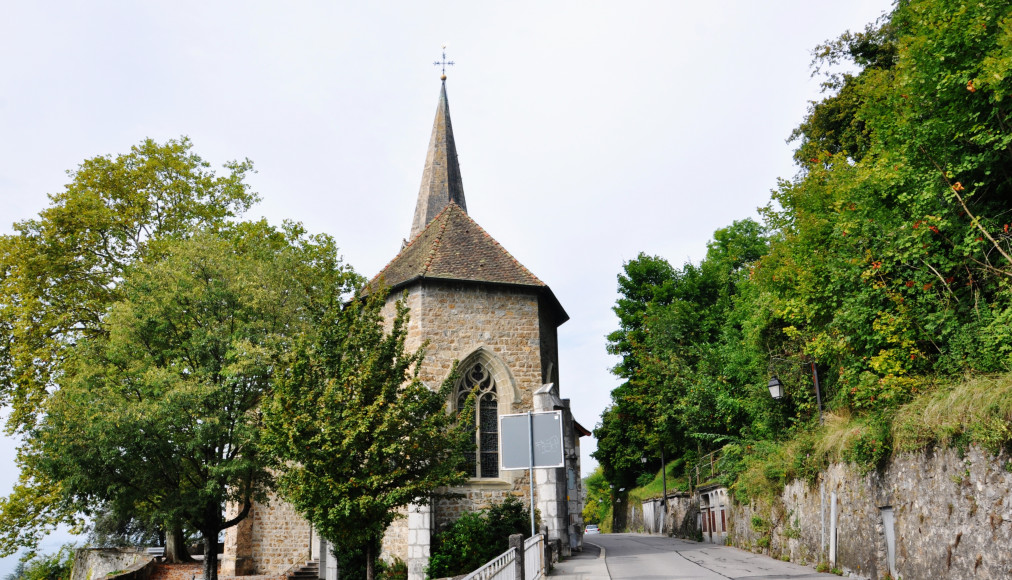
(587, 132)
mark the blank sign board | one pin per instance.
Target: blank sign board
(515, 441)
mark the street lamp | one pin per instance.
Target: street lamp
(776, 388)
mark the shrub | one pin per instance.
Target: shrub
(396, 570)
(477, 537)
(47, 566)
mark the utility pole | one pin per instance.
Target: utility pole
(664, 499)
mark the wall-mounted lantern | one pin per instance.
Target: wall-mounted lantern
(776, 388)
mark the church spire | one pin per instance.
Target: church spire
(441, 183)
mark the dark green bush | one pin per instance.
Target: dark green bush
(477, 537)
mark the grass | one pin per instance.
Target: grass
(655, 489)
(975, 410)
(972, 410)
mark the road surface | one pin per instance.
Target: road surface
(646, 557)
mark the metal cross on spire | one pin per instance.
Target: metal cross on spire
(442, 63)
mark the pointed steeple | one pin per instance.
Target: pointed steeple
(441, 183)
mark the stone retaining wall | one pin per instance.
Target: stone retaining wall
(98, 563)
(951, 515)
(682, 521)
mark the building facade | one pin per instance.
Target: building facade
(474, 304)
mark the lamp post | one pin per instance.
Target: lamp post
(818, 393)
(664, 497)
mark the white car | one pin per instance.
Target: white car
(592, 529)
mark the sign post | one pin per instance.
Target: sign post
(531, 440)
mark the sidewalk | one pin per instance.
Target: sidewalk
(586, 565)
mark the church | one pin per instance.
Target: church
(472, 302)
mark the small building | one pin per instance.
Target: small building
(713, 512)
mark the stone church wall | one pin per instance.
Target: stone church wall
(549, 340)
(457, 319)
(395, 539)
(951, 514)
(272, 539)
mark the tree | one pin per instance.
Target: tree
(690, 356)
(888, 262)
(628, 424)
(358, 433)
(894, 257)
(57, 566)
(60, 272)
(160, 416)
(109, 529)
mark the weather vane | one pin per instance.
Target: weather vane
(443, 63)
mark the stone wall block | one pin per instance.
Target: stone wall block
(951, 518)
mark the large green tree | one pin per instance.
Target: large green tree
(60, 272)
(160, 416)
(689, 356)
(894, 258)
(359, 434)
(887, 262)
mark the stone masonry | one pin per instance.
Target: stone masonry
(272, 539)
(505, 327)
(951, 516)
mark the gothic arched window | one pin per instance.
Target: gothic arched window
(484, 460)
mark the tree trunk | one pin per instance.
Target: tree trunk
(210, 554)
(175, 546)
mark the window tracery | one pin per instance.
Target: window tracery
(484, 460)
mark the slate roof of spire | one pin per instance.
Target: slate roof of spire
(441, 182)
(453, 247)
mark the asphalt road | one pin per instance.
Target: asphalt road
(644, 557)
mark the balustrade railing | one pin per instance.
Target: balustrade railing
(505, 565)
(534, 553)
(501, 568)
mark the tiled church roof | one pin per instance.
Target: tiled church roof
(454, 247)
(446, 243)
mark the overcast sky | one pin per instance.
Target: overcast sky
(587, 131)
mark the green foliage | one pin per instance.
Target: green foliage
(157, 418)
(690, 359)
(885, 265)
(477, 537)
(598, 502)
(975, 410)
(56, 566)
(653, 484)
(109, 529)
(396, 570)
(873, 445)
(357, 433)
(60, 272)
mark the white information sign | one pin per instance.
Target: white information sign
(515, 440)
